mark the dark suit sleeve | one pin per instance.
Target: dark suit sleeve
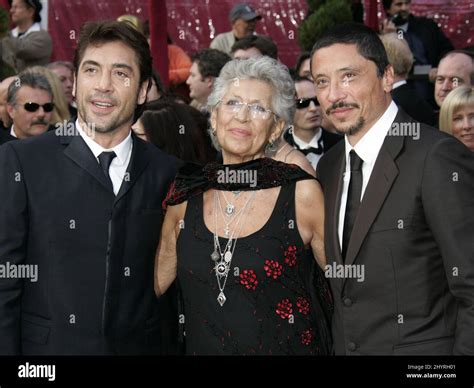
(448, 202)
(442, 41)
(13, 232)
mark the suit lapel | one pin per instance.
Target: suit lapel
(78, 151)
(381, 180)
(138, 161)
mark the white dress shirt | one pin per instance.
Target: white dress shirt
(398, 84)
(12, 132)
(119, 164)
(368, 148)
(34, 28)
(313, 158)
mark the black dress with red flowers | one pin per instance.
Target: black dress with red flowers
(277, 298)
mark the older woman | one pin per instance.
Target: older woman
(245, 238)
(456, 116)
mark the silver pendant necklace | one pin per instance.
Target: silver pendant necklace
(223, 258)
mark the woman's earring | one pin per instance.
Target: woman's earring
(270, 149)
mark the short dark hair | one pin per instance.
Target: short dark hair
(387, 4)
(262, 43)
(177, 129)
(98, 33)
(299, 62)
(366, 40)
(36, 5)
(210, 62)
(31, 79)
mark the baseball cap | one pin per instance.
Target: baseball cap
(243, 11)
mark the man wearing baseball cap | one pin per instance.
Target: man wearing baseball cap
(27, 44)
(243, 19)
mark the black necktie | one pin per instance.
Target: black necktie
(105, 158)
(353, 200)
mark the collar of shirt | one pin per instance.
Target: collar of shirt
(313, 142)
(403, 27)
(12, 132)
(398, 84)
(122, 150)
(34, 28)
(369, 145)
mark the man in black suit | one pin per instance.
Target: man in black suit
(403, 93)
(5, 137)
(427, 41)
(307, 135)
(81, 216)
(398, 211)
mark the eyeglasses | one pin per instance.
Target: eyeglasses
(302, 103)
(33, 107)
(257, 112)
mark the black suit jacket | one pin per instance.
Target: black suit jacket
(5, 137)
(413, 237)
(94, 251)
(436, 44)
(407, 98)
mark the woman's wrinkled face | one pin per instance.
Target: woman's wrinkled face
(244, 121)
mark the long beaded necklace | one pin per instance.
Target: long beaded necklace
(223, 258)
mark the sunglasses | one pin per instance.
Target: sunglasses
(302, 103)
(33, 107)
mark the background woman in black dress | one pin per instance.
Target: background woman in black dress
(245, 239)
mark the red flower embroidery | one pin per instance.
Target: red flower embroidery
(248, 278)
(303, 305)
(307, 337)
(290, 256)
(273, 268)
(284, 308)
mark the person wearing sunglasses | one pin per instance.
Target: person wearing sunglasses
(30, 105)
(307, 135)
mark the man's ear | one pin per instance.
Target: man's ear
(143, 92)
(388, 77)
(10, 110)
(209, 81)
(74, 80)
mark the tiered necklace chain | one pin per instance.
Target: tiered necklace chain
(223, 257)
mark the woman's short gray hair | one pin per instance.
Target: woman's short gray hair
(264, 69)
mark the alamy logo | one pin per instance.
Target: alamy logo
(37, 371)
(19, 271)
(228, 175)
(345, 271)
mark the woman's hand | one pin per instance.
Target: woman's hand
(166, 259)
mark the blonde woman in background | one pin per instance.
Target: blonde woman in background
(456, 116)
(61, 109)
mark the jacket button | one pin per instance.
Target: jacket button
(351, 346)
(347, 302)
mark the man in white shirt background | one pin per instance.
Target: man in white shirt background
(307, 135)
(27, 44)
